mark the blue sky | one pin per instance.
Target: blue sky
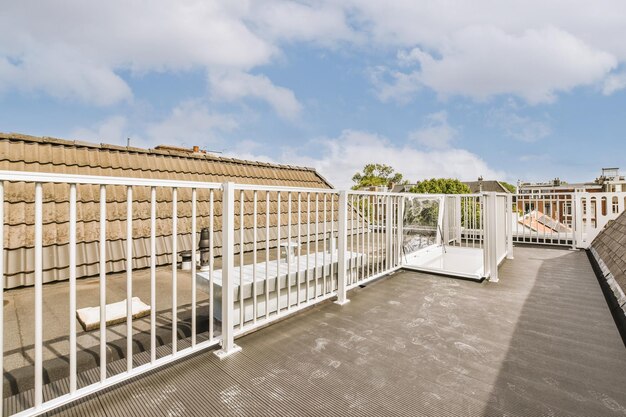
(513, 90)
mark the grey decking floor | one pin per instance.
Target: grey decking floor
(540, 342)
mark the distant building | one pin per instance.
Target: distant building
(609, 181)
(553, 199)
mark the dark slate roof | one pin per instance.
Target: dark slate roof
(488, 186)
(610, 247)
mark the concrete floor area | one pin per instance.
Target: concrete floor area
(540, 342)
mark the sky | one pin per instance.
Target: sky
(511, 90)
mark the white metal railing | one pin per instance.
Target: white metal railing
(324, 242)
(272, 251)
(79, 383)
(546, 218)
(595, 211)
(564, 218)
(282, 249)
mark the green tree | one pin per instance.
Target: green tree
(441, 186)
(376, 175)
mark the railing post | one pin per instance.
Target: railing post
(342, 247)
(228, 272)
(388, 232)
(2, 278)
(440, 219)
(509, 226)
(577, 221)
(400, 230)
(491, 234)
(458, 219)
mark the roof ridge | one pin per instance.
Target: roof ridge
(166, 152)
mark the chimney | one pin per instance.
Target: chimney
(196, 149)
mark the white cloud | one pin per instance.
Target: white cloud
(394, 85)
(534, 49)
(233, 86)
(339, 158)
(113, 130)
(516, 126)
(614, 82)
(436, 133)
(76, 50)
(63, 75)
(484, 61)
(319, 22)
(190, 123)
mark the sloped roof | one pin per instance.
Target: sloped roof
(610, 244)
(488, 186)
(42, 154)
(542, 223)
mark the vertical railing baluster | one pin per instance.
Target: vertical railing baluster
(241, 239)
(332, 242)
(388, 233)
(38, 294)
(317, 237)
(129, 278)
(2, 290)
(278, 221)
(308, 246)
(362, 248)
(509, 226)
(357, 238)
(153, 203)
(72, 271)
(194, 290)
(267, 254)
(324, 284)
(351, 261)
(211, 263)
(103, 290)
(370, 236)
(299, 242)
(254, 260)
(2, 285)
(288, 253)
(377, 236)
(174, 270)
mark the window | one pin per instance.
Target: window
(568, 208)
(615, 205)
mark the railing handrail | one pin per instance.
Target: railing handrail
(45, 177)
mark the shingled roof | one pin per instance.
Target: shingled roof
(43, 154)
(486, 186)
(609, 247)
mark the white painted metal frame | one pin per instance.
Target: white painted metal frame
(368, 226)
(39, 179)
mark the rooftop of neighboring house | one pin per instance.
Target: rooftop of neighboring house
(486, 186)
(44, 154)
(608, 176)
(610, 247)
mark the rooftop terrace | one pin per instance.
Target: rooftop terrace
(540, 342)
